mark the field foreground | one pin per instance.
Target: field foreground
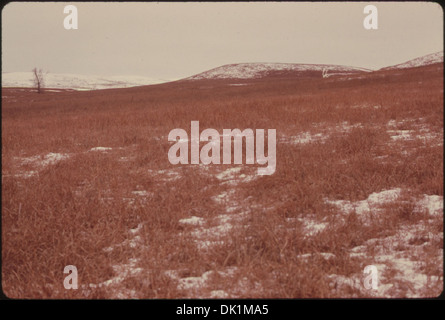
(86, 181)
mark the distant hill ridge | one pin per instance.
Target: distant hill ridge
(76, 81)
(259, 70)
(230, 71)
(417, 62)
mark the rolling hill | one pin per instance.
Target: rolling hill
(418, 62)
(238, 71)
(77, 81)
(261, 70)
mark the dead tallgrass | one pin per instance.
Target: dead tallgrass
(115, 213)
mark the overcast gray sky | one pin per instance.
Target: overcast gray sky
(175, 40)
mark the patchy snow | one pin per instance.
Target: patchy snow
(419, 131)
(190, 283)
(228, 174)
(432, 203)
(202, 283)
(43, 161)
(208, 244)
(227, 218)
(206, 237)
(101, 149)
(325, 255)
(76, 81)
(307, 137)
(123, 271)
(325, 131)
(258, 70)
(218, 294)
(401, 134)
(136, 230)
(372, 203)
(196, 221)
(346, 127)
(420, 61)
(26, 174)
(166, 174)
(247, 178)
(408, 272)
(213, 232)
(223, 196)
(142, 193)
(233, 177)
(364, 106)
(312, 228)
(132, 242)
(400, 260)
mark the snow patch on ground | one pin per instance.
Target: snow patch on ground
(417, 131)
(195, 221)
(101, 149)
(190, 283)
(401, 134)
(228, 174)
(165, 174)
(432, 203)
(399, 260)
(38, 162)
(307, 137)
(142, 193)
(123, 272)
(49, 159)
(324, 255)
(27, 174)
(201, 285)
(325, 132)
(214, 233)
(133, 241)
(373, 202)
(313, 227)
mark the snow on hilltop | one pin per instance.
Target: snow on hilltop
(76, 81)
(418, 62)
(259, 70)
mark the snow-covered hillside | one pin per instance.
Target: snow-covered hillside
(76, 81)
(258, 70)
(418, 62)
(229, 71)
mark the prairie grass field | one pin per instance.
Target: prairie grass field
(86, 181)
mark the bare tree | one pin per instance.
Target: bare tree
(38, 80)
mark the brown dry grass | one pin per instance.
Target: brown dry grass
(69, 212)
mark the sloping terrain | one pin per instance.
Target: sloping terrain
(86, 181)
(76, 81)
(267, 70)
(418, 62)
(239, 71)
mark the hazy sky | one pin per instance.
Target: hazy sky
(175, 40)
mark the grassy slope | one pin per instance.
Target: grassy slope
(71, 211)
